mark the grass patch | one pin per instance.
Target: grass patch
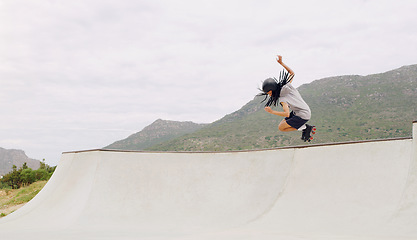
(11, 199)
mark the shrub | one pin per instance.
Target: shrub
(27, 177)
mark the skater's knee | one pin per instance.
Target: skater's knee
(284, 127)
(281, 127)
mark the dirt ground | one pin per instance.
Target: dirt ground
(9, 209)
(11, 199)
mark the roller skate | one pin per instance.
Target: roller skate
(306, 136)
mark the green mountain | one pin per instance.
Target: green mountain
(158, 132)
(344, 108)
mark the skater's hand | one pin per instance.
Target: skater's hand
(268, 109)
(279, 59)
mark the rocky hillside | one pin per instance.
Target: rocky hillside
(10, 157)
(158, 132)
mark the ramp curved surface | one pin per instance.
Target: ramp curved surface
(363, 190)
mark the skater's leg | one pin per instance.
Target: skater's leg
(284, 127)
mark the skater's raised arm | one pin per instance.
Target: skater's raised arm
(279, 60)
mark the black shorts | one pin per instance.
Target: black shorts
(295, 121)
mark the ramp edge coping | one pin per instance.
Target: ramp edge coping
(248, 150)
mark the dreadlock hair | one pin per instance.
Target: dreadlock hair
(274, 85)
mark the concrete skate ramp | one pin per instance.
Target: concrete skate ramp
(362, 190)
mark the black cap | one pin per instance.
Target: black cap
(269, 84)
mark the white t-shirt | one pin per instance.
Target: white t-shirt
(292, 97)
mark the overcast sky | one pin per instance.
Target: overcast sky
(82, 74)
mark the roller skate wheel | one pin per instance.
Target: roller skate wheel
(313, 132)
(311, 138)
(314, 129)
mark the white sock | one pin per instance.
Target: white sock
(302, 128)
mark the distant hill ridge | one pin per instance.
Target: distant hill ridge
(10, 157)
(344, 108)
(158, 132)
